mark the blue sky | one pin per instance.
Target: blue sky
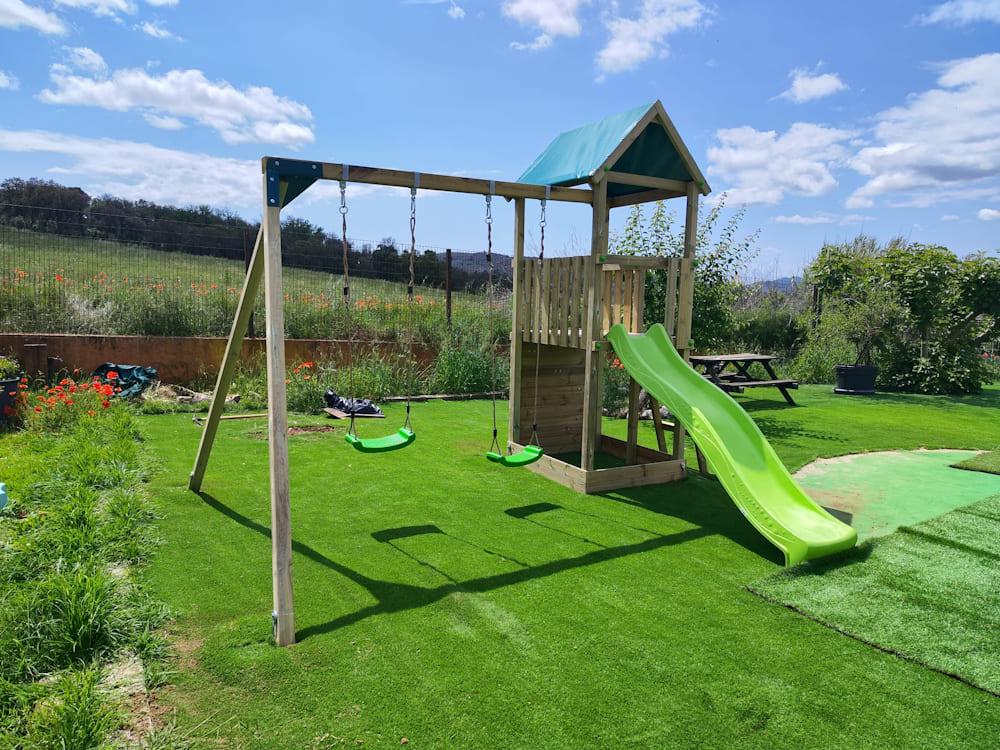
(825, 119)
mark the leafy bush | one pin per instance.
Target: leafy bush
(616, 385)
(944, 309)
(9, 367)
(771, 329)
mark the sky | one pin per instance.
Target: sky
(824, 119)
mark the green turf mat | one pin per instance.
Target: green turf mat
(928, 593)
(878, 493)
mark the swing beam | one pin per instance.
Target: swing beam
(285, 179)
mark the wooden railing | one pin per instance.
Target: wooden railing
(553, 301)
(554, 304)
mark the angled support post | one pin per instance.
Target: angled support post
(244, 310)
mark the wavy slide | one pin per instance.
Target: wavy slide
(739, 454)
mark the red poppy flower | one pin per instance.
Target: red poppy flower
(112, 375)
(38, 410)
(105, 404)
(12, 393)
(22, 386)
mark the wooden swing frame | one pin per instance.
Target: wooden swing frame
(283, 180)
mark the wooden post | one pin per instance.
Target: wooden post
(594, 356)
(241, 322)
(516, 324)
(685, 302)
(34, 361)
(632, 441)
(685, 307)
(447, 287)
(277, 430)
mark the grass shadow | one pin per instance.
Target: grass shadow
(392, 596)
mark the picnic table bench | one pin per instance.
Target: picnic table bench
(716, 366)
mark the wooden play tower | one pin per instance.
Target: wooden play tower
(563, 307)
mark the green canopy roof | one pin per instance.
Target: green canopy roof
(657, 151)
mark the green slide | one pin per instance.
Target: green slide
(735, 448)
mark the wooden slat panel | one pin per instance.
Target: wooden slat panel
(546, 320)
(526, 297)
(605, 302)
(639, 301)
(580, 301)
(616, 310)
(629, 278)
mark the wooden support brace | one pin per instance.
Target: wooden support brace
(244, 309)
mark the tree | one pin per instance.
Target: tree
(720, 255)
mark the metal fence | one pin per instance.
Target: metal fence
(97, 273)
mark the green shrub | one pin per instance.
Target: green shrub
(9, 367)
(770, 329)
(464, 369)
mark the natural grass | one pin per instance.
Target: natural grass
(72, 595)
(52, 283)
(987, 462)
(927, 592)
(454, 603)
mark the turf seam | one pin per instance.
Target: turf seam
(878, 647)
(946, 542)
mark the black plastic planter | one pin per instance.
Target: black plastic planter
(7, 386)
(856, 380)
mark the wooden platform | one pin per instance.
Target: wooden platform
(654, 467)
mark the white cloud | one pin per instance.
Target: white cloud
(809, 85)
(988, 214)
(946, 137)
(553, 18)
(963, 12)
(252, 114)
(456, 11)
(951, 217)
(162, 3)
(164, 122)
(16, 13)
(542, 41)
(142, 171)
(101, 7)
(762, 166)
(8, 81)
(856, 219)
(85, 58)
(156, 30)
(799, 219)
(634, 40)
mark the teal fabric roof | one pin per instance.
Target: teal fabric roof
(577, 154)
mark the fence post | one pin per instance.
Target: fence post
(247, 255)
(447, 286)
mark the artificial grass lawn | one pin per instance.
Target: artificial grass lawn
(928, 592)
(987, 462)
(456, 603)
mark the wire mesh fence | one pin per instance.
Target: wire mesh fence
(68, 271)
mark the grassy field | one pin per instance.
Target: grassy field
(51, 283)
(447, 602)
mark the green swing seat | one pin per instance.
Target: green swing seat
(399, 439)
(527, 455)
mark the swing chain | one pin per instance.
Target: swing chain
(495, 444)
(343, 240)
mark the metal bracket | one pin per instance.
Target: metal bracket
(296, 175)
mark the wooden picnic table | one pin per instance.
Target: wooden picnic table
(716, 369)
